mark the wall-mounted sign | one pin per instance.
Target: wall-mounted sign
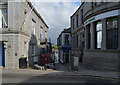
(89, 20)
(102, 16)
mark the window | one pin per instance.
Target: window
(76, 20)
(94, 4)
(66, 39)
(77, 41)
(112, 33)
(73, 24)
(45, 34)
(41, 32)
(3, 17)
(25, 49)
(33, 27)
(89, 38)
(41, 29)
(98, 34)
(25, 12)
(82, 15)
(33, 50)
(72, 42)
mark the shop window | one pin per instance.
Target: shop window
(89, 37)
(98, 35)
(112, 33)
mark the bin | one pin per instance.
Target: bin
(22, 63)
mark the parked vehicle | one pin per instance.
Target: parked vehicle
(47, 56)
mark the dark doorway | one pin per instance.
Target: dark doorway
(66, 57)
(2, 54)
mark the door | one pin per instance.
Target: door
(67, 56)
(2, 55)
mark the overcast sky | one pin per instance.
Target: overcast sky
(56, 15)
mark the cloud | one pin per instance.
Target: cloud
(56, 15)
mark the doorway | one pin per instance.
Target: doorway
(2, 54)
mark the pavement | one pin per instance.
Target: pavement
(63, 70)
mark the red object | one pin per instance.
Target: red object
(45, 59)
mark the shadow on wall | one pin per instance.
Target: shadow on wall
(33, 51)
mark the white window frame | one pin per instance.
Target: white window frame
(2, 19)
(33, 27)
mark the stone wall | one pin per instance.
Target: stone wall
(101, 60)
(19, 33)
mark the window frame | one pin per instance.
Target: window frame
(4, 18)
(96, 34)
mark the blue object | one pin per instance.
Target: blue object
(41, 36)
(2, 55)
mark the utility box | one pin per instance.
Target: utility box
(22, 63)
(75, 63)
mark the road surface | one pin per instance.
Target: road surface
(10, 78)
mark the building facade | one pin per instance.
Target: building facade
(64, 46)
(101, 24)
(21, 31)
(77, 34)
